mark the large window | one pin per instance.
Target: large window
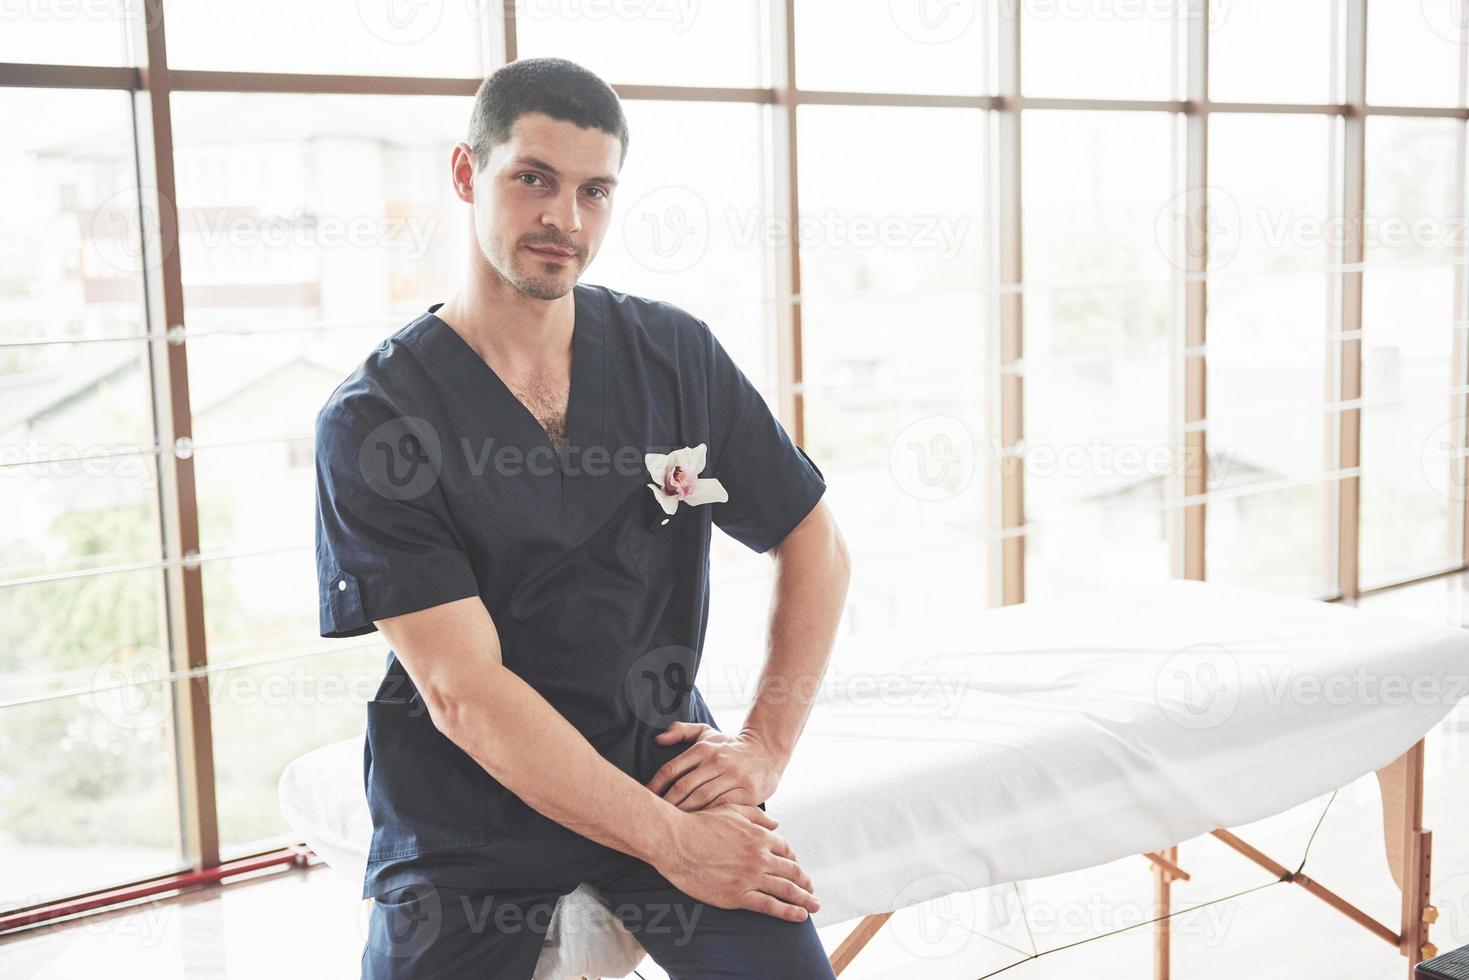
(1001, 268)
(1271, 410)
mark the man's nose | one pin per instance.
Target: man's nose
(563, 214)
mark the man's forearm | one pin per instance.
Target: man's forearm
(519, 738)
(812, 573)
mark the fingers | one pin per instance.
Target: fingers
(756, 816)
(772, 906)
(783, 899)
(791, 871)
(703, 797)
(695, 779)
(672, 770)
(680, 731)
(789, 892)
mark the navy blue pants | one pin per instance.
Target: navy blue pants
(429, 932)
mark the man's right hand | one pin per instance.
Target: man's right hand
(729, 857)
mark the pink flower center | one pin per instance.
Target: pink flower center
(679, 482)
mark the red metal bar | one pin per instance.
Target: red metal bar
(296, 854)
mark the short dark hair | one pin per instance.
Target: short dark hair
(556, 87)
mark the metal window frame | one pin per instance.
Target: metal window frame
(151, 87)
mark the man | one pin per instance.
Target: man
(517, 488)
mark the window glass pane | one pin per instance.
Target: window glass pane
(1270, 52)
(1098, 324)
(1413, 237)
(1279, 540)
(70, 257)
(891, 47)
(1098, 49)
(266, 715)
(299, 255)
(311, 211)
(60, 33)
(894, 270)
(649, 43)
(374, 37)
(1413, 52)
(68, 511)
(689, 221)
(1269, 390)
(88, 780)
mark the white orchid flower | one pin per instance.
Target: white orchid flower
(676, 477)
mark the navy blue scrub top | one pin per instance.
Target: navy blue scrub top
(435, 483)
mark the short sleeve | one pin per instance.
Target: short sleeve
(771, 482)
(384, 542)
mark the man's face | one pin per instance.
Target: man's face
(549, 188)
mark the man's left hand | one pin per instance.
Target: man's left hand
(717, 768)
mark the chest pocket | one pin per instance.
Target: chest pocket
(653, 540)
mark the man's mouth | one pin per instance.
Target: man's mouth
(554, 253)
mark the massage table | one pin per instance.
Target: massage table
(1048, 737)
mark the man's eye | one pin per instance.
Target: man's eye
(532, 176)
(599, 191)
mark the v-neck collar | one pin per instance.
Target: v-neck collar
(585, 417)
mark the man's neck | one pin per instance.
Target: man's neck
(526, 336)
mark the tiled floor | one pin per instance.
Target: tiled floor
(310, 924)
